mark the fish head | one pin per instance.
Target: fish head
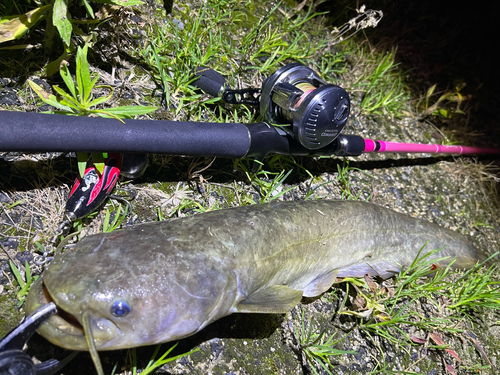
(127, 304)
(107, 316)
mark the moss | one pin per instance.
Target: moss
(10, 316)
(267, 356)
(263, 356)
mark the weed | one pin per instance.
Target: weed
(317, 350)
(187, 204)
(219, 35)
(12, 205)
(24, 282)
(331, 65)
(177, 48)
(160, 214)
(474, 291)
(154, 363)
(447, 105)
(268, 180)
(269, 185)
(81, 101)
(108, 224)
(274, 48)
(384, 91)
(343, 178)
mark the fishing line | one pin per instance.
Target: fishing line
(63, 243)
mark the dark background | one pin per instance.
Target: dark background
(442, 41)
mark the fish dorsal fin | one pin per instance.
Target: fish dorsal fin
(276, 299)
(320, 284)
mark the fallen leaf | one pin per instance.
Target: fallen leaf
(359, 302)
(363, 314)
(450, 369)
(418, 340)
(439, 341)
(479, 347)
(371, 285)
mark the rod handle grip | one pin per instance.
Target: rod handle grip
(210, 81)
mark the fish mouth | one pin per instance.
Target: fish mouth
(64, 329)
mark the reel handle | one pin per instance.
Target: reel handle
(210, 81)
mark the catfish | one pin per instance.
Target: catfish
(162, 281)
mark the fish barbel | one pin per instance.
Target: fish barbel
(163, 281)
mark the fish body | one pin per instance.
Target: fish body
(178, 276)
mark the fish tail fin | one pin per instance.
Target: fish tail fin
(470, 260)
(480, 258)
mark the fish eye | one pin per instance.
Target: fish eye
(120, 308)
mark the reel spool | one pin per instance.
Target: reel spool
(316, 110)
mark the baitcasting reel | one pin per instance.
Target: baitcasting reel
(295, 98)
(318, 111)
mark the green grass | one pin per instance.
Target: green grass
(447, 105)
(383, 88)
(115, 220)
(343, 178)
(24, 281)
(318, 349)
(81, 99)
(154, 363)
(211, 35)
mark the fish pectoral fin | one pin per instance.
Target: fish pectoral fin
(276, 299)
(320, 284)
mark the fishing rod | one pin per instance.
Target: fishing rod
(303, 116)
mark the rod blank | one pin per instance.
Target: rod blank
(383, 146)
